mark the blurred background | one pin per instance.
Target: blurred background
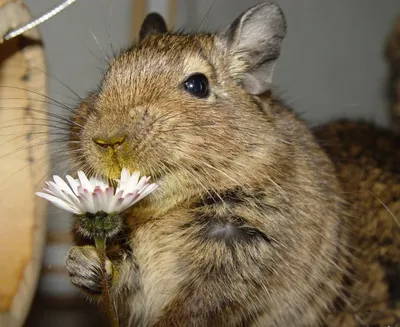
(332, 65)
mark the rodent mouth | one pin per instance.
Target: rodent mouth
(108, 162)
(110, 170)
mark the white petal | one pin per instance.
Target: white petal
(67, 194)
(124, 175)
(97, 201)
(86, 200)
(117, 205)
(62, 185)
(56, 191)
(69, 197)
(127, 201)
(84, 181)
(59, 203)
(123, 181)
(132, 183)
(74, 183)
(103, 200)
(104, 186)
(150, 188)
(114, 201)
(48, 190)
(96, 182)
(146, 191)
(108, 198)
(142, 183)
(73, 199)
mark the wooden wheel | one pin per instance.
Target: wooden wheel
(22, 215)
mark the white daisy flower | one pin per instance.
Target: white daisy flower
(94, 195)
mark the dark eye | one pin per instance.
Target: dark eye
(197, 85)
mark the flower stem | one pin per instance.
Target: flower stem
(101, 251)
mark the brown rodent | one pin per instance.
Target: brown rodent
(258, 221)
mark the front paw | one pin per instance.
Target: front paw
(83, 265)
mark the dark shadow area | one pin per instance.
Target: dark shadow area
(61, 312)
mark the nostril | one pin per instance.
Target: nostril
(101, 143)
(109, 142)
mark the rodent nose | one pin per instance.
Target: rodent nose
(111, 142)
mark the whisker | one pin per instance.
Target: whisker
(62, 105)
(386, 207)
(35, 124)
(39, 163)
(27, 147)
(31, 136)
(67, 97)
(34, 92)
(10, 177)
(51, 102)
(207, 190)
(98, 43)
(45, 113)
(167, 116)
(108, 29)
(47, 121)
(221, 172)
(205, 16)
(59, 118)
(100, 68)
(58, 80)
(183, 127)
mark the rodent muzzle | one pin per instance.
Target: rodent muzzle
(110, 143)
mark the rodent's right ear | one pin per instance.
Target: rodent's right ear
(153, 24)
(253, 43)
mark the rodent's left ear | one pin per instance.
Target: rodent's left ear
(253, 44)
(153, 24)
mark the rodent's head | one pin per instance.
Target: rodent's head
(183, 104)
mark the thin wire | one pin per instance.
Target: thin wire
(13, 33)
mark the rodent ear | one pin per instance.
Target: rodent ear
(153, 24)
(253, 44)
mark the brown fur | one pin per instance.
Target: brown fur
(368, 166)
(254, 224)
